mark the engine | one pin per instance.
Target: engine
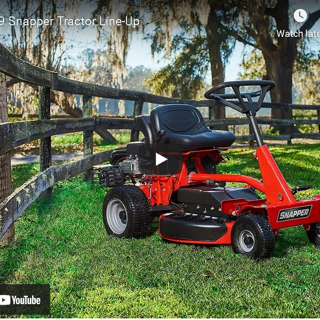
(131, 166)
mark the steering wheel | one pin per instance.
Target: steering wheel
(245, 106)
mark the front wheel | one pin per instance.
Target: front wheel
(314, 233)
(126, 212)
(253, 236)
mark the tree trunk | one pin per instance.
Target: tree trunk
(5, 163)
(280, 69)
(217, 67)
(279, 64)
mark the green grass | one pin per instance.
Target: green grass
(22, 173)
(61, 241)
(73, 142)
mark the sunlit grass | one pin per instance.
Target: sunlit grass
(62, 241)
(73, 142)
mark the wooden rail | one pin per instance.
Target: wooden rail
(27, 72)
(14, 134)
(14, 205)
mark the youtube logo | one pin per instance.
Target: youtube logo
(19, 299)
(4, 300)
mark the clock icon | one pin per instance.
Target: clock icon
(300, 15)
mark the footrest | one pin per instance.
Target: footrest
(301, 188)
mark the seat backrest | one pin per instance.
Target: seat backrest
(142, 123)
(177, 118)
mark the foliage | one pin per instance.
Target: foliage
(94, 67)
(200, 46)
(253, 65)
(255, 25)
(48, 47)
(306, 115)
(272, 131)
(136, 78)
(185, 75)
(306, 80)
(62, 241)
(186, 33)
(43, 46)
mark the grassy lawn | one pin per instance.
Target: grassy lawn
(62, 242)
(73, 143)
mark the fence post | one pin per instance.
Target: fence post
(5, 163)
(45, 143)
(87, 135)
(318, 113)
(251, 142)
(210, 115)
(210, 112)
(137, 111)
(289, 130)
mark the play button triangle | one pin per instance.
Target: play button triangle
(160, 159)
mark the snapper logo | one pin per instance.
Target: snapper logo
(294, 213)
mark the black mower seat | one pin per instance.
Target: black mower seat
(185, 130)
(205, 140)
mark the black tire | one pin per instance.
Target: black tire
(252, 236)
(314, 233)
(128, 212)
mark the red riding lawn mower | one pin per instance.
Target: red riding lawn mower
(172, 174)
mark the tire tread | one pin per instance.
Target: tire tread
(312, 234)
(139, 208)
(266, 234)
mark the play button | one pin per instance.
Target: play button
(4, 300)
(152, 162)
(160, 159)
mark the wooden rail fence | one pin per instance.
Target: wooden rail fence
(14, 134)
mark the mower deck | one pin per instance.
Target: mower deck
(193, 228)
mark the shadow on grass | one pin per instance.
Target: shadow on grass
(296, 238)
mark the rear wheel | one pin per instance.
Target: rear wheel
(314, 233)
(126, 212)
(253, 236)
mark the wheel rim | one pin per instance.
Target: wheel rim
(117, 216)
(246, 240)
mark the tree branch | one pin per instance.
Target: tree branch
(236, 35)
(313, 18)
